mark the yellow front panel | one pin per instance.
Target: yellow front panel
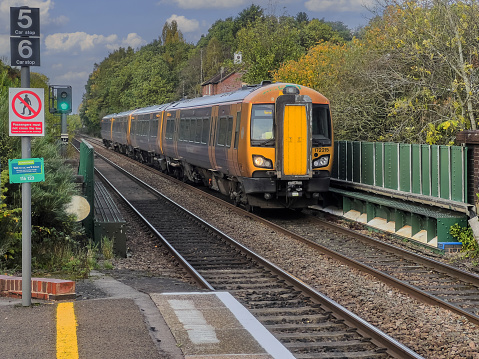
(295, 141)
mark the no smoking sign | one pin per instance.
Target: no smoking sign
(26, 112)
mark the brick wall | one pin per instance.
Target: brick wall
(42, 288)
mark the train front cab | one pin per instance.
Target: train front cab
(294, 172)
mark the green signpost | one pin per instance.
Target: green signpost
(26, 170)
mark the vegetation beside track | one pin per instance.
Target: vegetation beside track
(58, 241)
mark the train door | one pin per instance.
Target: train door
(212, 139)
(110, 135)
(236, 111)
(160, 136)
(224, 130)
(176, 132)
(293, 152)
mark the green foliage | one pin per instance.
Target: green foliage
(107, 247)
(265, 45)
(10, 226)
(466, 237)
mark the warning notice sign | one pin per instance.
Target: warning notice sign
(26, 112)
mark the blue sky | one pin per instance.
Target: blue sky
(76, 34)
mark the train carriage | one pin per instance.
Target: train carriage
(268, 146)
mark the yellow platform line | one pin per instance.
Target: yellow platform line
(67, 345)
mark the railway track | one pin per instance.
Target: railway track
(426, 279)
(309, 324)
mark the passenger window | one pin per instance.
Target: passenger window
(170, 126)
(192, 129)
(199, 124)
(153, 128)
(205, 130)
(222, 129)
(238, 123)
(229, 132)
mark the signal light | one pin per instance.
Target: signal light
(64, 100)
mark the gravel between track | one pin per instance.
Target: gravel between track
(430, 331)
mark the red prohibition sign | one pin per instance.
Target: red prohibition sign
(34, 113)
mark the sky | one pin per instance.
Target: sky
(76, 34)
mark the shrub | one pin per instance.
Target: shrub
(466, 237)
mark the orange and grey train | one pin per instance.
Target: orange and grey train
(267, 146)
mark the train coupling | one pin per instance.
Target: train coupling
(294, 189)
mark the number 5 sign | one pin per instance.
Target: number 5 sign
(25, 22)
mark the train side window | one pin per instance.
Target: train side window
(199, 124)
(238, 123)
(229, 131)
(206, 130)
(181, 134)
(187, 130)
(222, 129)
(153, 128)
(192, 129)
(170, 125)
(321, 125)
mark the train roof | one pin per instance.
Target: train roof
(214, 99)
(204, 101)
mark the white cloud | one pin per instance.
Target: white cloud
(132, 40)
(184, 24)
(72, 76)
(336, 5)
(77, 40)
(81, 41)
(205, 4)
(45, 7)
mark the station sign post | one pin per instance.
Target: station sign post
(26, 112)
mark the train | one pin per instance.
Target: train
(265, 146)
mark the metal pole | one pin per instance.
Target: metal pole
(64, 132)
(26, 212)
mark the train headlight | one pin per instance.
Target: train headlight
(322, 161)
(260, 161)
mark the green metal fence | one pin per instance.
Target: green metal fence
(429, 170)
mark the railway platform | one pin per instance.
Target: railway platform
(135, 319)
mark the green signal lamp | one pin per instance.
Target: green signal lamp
(64, 102)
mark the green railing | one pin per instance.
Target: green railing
(429, 170)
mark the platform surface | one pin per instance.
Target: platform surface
(129, 323)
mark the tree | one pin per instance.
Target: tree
(265, 45)
(249, 16)
(438, 40)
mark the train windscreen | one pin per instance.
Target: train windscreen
(321, 126)
(262, 119)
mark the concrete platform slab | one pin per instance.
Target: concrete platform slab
(207, 325)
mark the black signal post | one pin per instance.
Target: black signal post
(61, 102)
